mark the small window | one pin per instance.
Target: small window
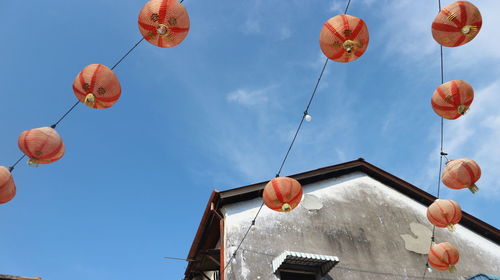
(302, 266)
(296, 276)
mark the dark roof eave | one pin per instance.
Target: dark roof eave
(202, 228)
(255, 191)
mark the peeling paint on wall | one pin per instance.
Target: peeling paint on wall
(361, 222)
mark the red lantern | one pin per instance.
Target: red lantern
(457, 24)
(42, 145)
(344, 38)
(97, 86)
(282, 194)
(452, 99)
(164, 23)
(7, 186)
(461, 173)
(443, 256)
(444, 213)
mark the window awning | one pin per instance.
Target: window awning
(304, 261)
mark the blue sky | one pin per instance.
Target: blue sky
(218, 111)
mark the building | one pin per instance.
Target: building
(356, 221)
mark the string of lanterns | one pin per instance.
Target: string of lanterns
(343, 38)
(455, 25)
(163, 23)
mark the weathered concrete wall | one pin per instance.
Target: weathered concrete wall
(361, 223)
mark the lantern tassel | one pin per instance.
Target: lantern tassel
(33, 162)
(349, 45)
(89, 100)
(451, 227)
(473, 188)
(462, 109)
(286, 207)
(452, 268)
(469, 30)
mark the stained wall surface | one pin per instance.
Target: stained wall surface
(361, 223)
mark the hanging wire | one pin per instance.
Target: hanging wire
(14, 165)
(306, 112)
(347, 7)
(441, 151)
(126, 54)
(65, 114)
(282, 163)
(11, 168)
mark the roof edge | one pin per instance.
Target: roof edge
(255, 190)
(213, 200)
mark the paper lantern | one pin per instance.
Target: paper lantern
(444, 213)
(164, 23)
(282, 194)
(7, 186)
(344, 38)
(461, 173)
(97, 86)
(457, 24)
(443, 256)
(452, 99)
(42, 145)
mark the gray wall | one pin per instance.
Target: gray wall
(361, 223)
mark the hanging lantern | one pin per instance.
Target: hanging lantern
(42, 145)
(344, 38)
(282, 194)
(443, 256)
(461, 173)
(444, 213)
(7, 186)
(97, 86)
(452, 99)
(164, 23)
(457, 24)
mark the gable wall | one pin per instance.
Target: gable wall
(361, 223)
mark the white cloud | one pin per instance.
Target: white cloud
(252, 26)
(410, 36)
(483, 48)
(285, 33)
(336, 6)
(340, 155)
(250, 98)
(477, 135)
(368, 2)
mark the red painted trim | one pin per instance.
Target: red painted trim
(222, 261)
